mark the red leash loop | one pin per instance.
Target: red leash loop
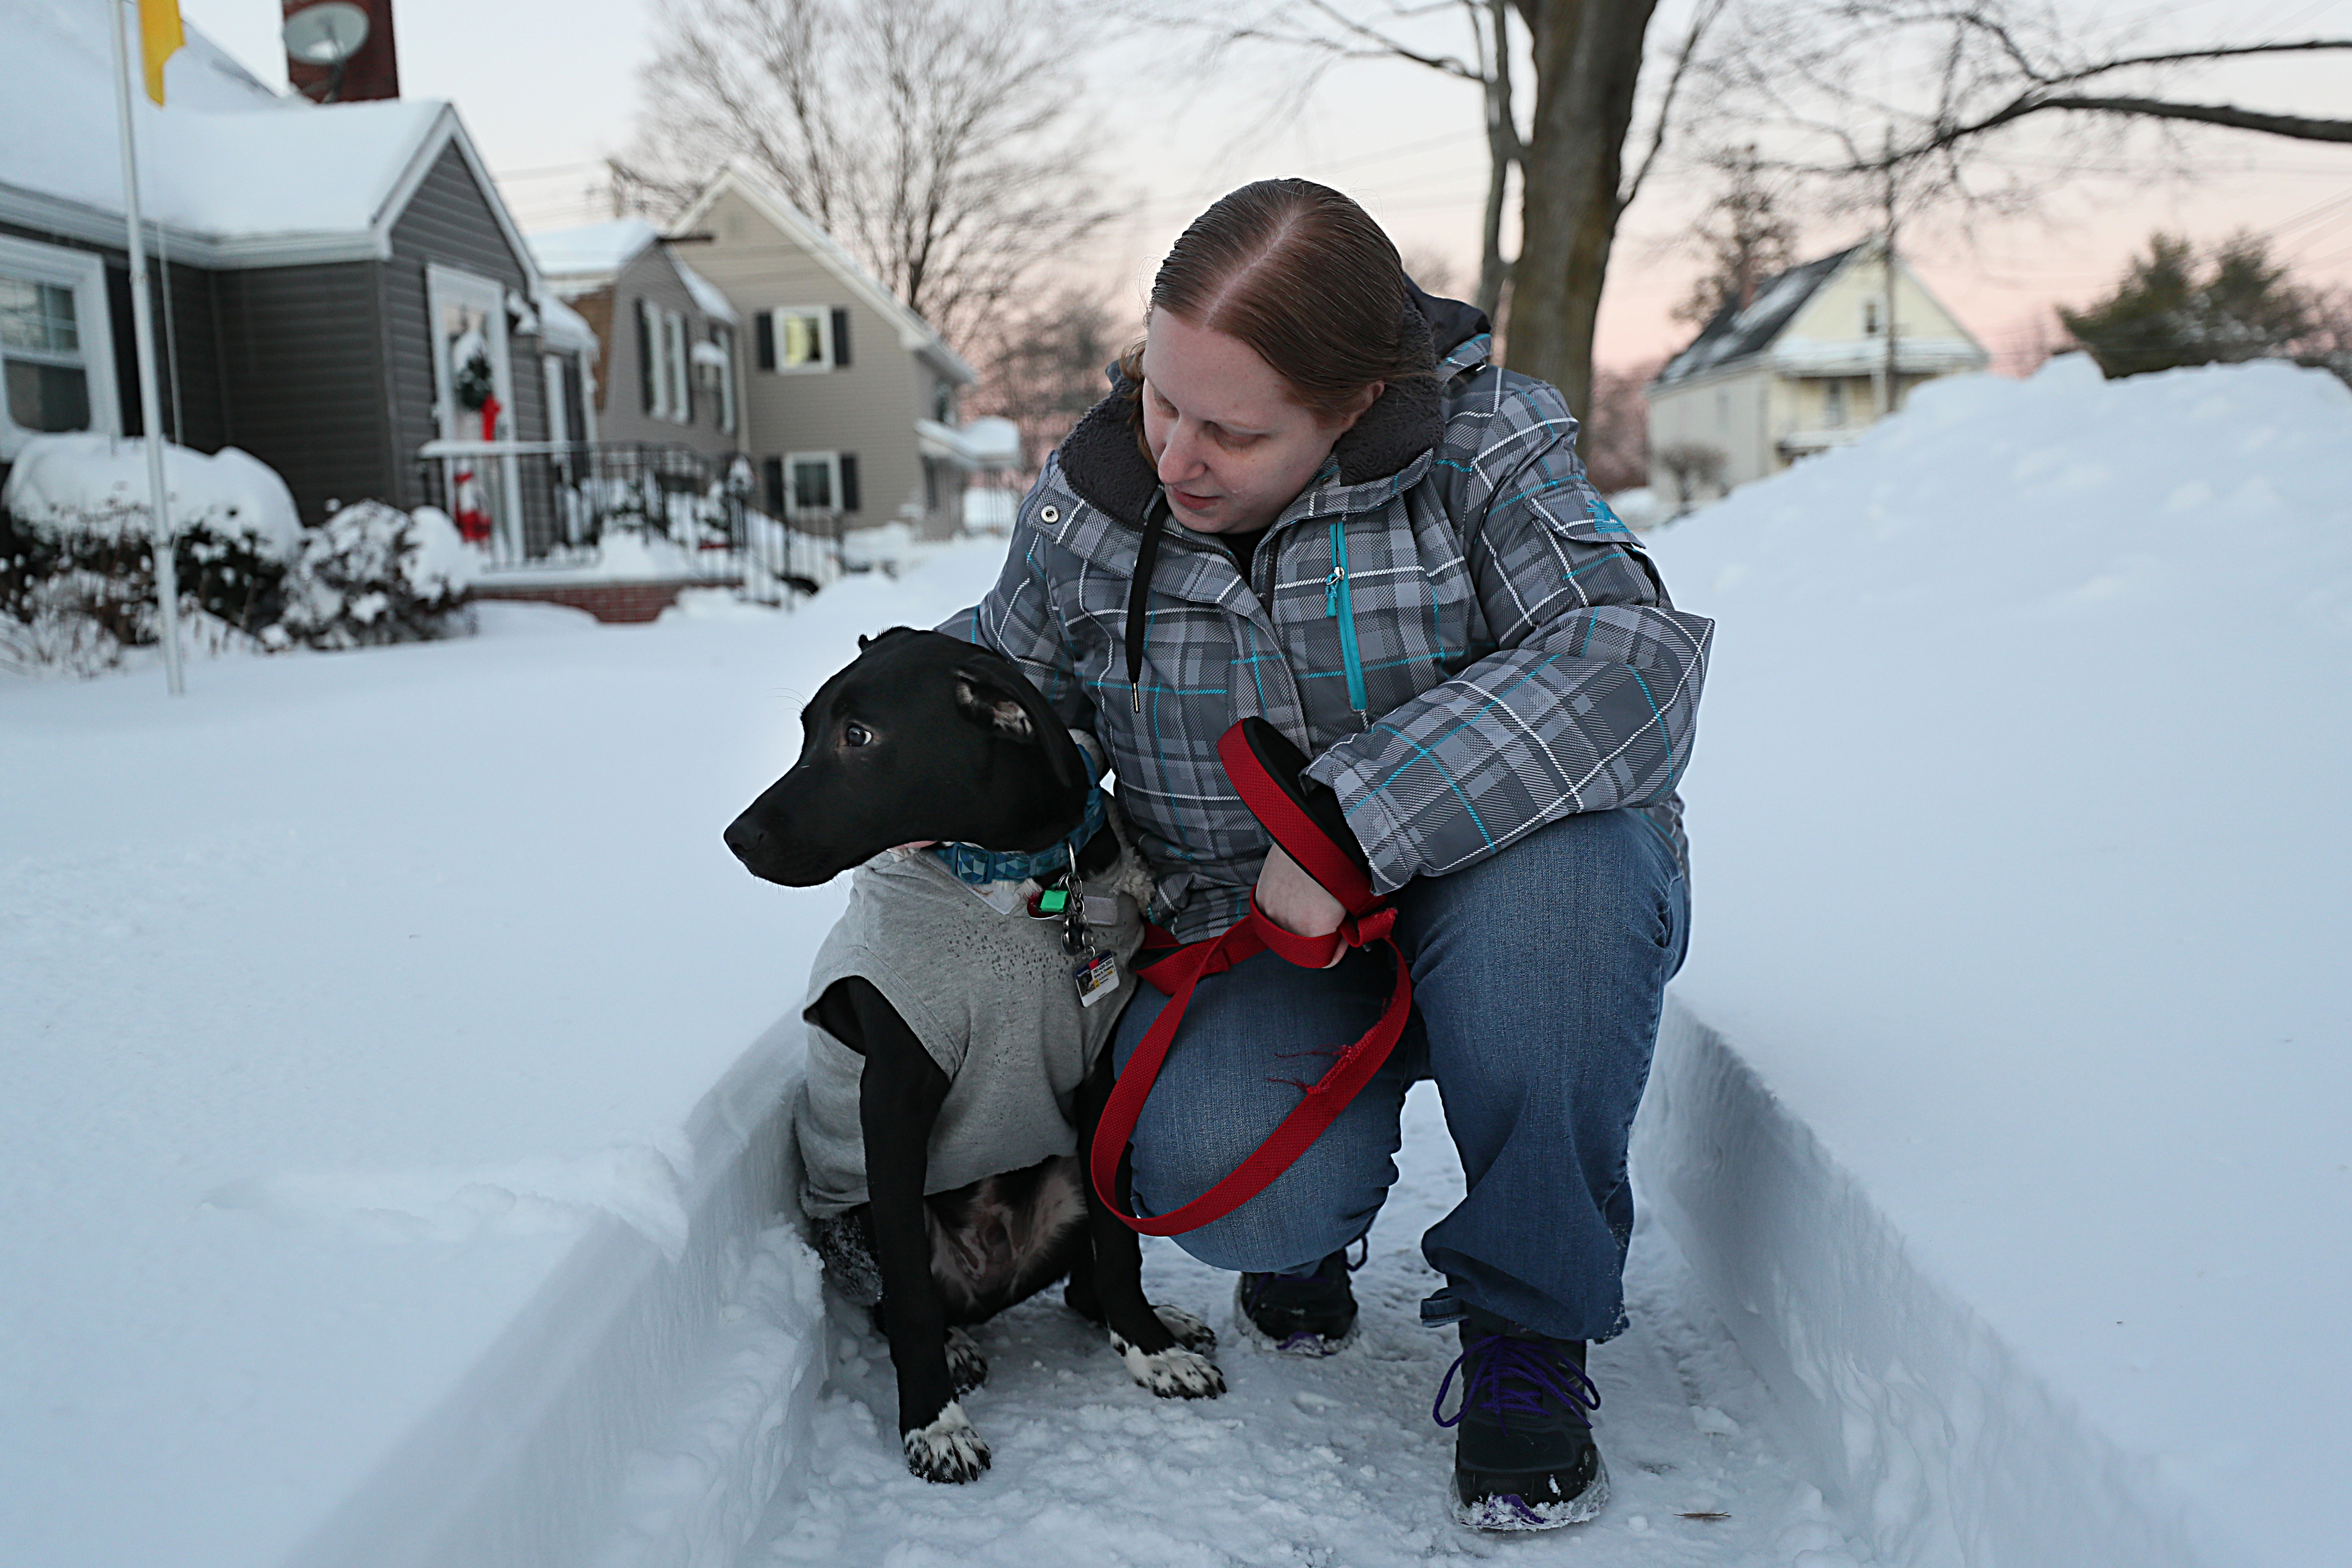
(1369, 920)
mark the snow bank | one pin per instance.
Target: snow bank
(96, 487)
(395, 1100)
(2004, 1103)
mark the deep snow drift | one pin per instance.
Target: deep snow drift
(345, 1004)
(2020, 851)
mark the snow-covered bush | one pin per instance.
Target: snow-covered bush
(374, 574)
(77, 571)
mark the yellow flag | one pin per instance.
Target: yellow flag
(159, 34)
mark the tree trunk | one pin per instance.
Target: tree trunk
(1503, 151)
(1588, 57)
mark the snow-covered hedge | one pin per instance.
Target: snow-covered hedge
(77, 574)
(375, 574)
(77, 571)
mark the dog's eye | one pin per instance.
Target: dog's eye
(856, 734)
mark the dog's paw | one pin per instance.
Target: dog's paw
(946, 1450)
(1190, 1331)
(966, 1368)
(1172, 1373)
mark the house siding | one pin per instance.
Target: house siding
(449, 221)
(651, 276)
(301, 357)
(868, 408)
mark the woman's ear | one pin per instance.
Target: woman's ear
(1359, 406)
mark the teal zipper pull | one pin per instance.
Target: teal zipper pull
(1340, 603)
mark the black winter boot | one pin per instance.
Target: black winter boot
(1524, 1456)
(1312, 1313)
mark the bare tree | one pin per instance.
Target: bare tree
(1694, 470)
(913, 131)
(1615, 439)
(1052, 367)
(1745, 236)
(1981, 67)
(1588, 58)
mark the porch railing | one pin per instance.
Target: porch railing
(627, 509)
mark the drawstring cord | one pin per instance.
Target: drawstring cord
(1139, 595)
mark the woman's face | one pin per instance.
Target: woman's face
(1230, 444)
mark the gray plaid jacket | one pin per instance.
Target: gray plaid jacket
(1449, 620)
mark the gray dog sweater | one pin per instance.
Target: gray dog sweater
(991, 996)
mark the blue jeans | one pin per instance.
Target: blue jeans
(1538, 975)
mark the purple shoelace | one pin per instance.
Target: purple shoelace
(1512, 1377)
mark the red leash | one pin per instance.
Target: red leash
(1256, 758)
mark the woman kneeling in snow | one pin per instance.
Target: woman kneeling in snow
(1383, 543)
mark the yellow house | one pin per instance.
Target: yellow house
(1801, 366)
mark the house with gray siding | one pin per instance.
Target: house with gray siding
(850, 398)
(335, 286)
(669, 359)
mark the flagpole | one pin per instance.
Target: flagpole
(143, 328)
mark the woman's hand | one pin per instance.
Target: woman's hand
(1296, 901)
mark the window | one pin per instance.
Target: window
(1834, 404)
(1870, 317)
(799, 339)
(819, 482)
(56, 367)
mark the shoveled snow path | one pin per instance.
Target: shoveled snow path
(1313, 1462)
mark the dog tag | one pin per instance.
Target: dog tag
(1049, 902)
(1097, 977)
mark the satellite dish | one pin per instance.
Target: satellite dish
(326, 34)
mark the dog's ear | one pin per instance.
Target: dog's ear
(981, 700)
(993, 692)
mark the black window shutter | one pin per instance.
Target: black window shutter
(849, 482)
(685, 372)
(772, 472)
(840, 337)
(644, 357)
(767, 319)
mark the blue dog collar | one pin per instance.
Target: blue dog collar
(970, 863)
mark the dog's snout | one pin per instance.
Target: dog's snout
(745, 836)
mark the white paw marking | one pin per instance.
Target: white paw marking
(966, 1368)
(1172, 1373)
(1190, 1331)
(948, 1449)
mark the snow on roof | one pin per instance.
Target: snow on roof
(705, 293)
(563, 326)
(224, 160)
(1736, 332)
(591, 249)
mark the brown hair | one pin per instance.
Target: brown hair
(1304, 275)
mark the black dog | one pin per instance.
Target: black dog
(927, 738)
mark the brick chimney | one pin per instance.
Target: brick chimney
(374, 72)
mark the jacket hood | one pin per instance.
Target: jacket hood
(1104, 461)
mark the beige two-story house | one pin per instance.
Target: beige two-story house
(849, 402)
(1799, 367)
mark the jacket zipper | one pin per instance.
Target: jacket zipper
(1339, 603)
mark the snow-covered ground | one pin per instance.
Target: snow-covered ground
(392, 1154)
(2011, 1085)
(1321, 1463)
(346, 1004)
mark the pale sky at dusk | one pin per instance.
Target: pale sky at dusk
(548, 87)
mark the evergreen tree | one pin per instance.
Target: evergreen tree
(2169, 310)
